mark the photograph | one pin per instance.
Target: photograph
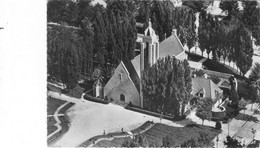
(158, 73)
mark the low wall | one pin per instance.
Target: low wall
(220, 115)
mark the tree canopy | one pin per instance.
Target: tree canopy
(204, 108)
(167, 86)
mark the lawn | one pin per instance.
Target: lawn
(50, 125)
(179, 135)
(64, 124)
(65, 108)
(75, 92)
(117, 142)
(53, 104)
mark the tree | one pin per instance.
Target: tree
(198, 5)
(244, 49)
(255, 73)
(230, 142)
(218, 125)
(254, 81)
(198, 73)
(62, 11)
(167, 142)
(138, 141)
(100, 39)
(251, 18)
(204, 108)
(230, 6)
(201, 141)
(164, 86)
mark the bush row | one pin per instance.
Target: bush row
(149, 113)
(94, 99)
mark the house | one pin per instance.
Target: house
(205, 88)
(125, 84)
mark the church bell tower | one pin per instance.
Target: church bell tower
(149, 52)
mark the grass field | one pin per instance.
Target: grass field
(50, 125)
(64, 124)
(53, 104)
(179, 135)
(65, 108)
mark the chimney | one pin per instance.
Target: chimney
(174, 32)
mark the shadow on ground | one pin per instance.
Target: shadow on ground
(246, 117)
(254, 144)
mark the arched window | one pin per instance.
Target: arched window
(122, 97)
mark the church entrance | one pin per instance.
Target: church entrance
(122, 97)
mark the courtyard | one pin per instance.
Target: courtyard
(89, 119)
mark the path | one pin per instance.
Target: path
(89, 119)
(56, 117)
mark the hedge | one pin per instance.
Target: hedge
(154, 114)
(94, 99)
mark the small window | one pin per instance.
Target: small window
(201, 95)
(122, 97)
(216, 93)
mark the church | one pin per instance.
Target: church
(125, 84)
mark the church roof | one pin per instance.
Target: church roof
(136, 64)
(131, 68)
(170, 46)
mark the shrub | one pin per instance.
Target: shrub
(167, 142)
(106, 99)
(218, 125)
(215, 79)
(130, 104)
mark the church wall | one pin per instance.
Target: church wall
(120, 83)
(114, 80)
(127, 89)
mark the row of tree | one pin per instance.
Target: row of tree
(167, 86)
(232, 37)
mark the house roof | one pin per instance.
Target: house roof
(170, 46)
(200, 83)
(225, 84)
(218, 74)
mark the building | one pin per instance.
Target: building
(125, 84)
(205, 88)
